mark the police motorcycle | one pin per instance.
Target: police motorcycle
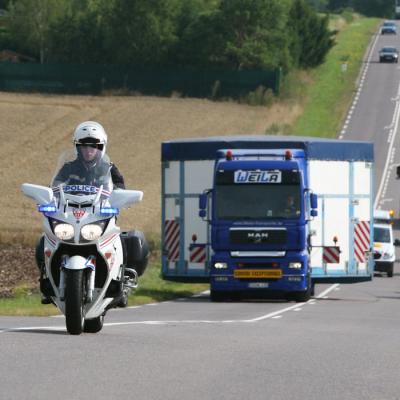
(90, 266)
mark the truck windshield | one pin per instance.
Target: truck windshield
(258, 201)
(258, 194)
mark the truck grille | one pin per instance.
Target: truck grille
(258, 265)
(257, 236)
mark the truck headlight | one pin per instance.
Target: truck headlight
(295, 265)
(220, 265)
(92, 231)
(64, 231)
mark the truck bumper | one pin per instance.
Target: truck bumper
(288, 283)
(292, 280)
(384, 266)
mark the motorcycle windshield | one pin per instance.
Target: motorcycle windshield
(83, 174)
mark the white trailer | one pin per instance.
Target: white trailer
(339, 172)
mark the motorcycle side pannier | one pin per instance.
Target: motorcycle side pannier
(136, 250)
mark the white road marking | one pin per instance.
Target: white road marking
(274, 315)
(363, 76)
(385, 174)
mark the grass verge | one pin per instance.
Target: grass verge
(151, 289)
(328, 98)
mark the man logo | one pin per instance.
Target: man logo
(257, 237)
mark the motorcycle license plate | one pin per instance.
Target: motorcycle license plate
(257, 273)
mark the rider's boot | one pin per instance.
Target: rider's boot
(130, 282)
(39, 256)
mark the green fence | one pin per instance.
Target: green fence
(95, 79)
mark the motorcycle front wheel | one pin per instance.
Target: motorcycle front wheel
(74, 301)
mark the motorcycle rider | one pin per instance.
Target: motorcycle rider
(90, 141)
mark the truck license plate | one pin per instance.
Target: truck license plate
(257, 273)
(258, 285)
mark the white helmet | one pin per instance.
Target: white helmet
(90, 132)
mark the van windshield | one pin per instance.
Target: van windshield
(382, 235)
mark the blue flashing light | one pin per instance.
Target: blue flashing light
(47, 209)
(109, 211)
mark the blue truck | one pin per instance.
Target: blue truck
(267, 215)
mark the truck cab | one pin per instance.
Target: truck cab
(259, 226)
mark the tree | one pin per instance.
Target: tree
(29, 24)
(337, 5)
(77, 38)
(374, 8)
(237, 34)
(140, 32)
(310, 37)
(254, 33)
(319, 5)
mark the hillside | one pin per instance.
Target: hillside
(36, 128)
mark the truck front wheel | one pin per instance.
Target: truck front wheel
(305, 295)
(217, 296)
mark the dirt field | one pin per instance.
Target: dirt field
(35, 129)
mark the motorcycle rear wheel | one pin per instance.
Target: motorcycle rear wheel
(74, 301)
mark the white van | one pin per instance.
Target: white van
(384, 250)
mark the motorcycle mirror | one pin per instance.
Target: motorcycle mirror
(41, 194)
(124, 198)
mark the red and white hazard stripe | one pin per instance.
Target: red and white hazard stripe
(331, 255)
(171, 241)
(198, 254)
(361, 241)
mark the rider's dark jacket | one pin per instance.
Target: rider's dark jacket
(78, 172)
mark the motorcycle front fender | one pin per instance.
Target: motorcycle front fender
(75, 262)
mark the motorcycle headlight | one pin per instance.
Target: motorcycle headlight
(64, 231)
(91, 232)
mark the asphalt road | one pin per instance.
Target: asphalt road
(343, 344)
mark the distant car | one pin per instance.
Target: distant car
(389, 27)
(384, 251)
(389, 54)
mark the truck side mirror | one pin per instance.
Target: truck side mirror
(398, 172)
(203, 201)
(314, 212)
(203, 205)
(397, 242)
(313, 201)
